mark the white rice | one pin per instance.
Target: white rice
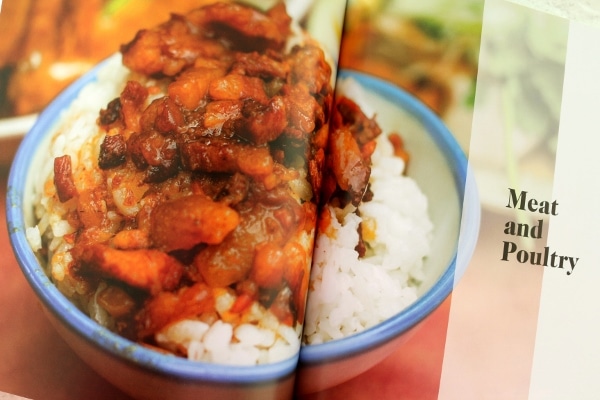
(349, 294)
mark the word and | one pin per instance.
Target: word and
(546, 257)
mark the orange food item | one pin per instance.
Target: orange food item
(199, 220)
(146, 269)
(63, 178)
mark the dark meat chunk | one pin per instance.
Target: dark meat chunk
(352, 141)
(308, 66)
(264, 124)
(265, 66)
(302, 111)
(223, 118)
(225, 188)
(157, 154)
(112, 113)
(244, 28)
(113, 152)
(236, 189)
(164, 116)
(63, 178)
(169, 48)
(351, 171)
(133, 101)
(226, 156)
(363, 129)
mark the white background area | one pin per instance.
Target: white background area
(567, 352)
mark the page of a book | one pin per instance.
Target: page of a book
(520, 319)
(513, 83)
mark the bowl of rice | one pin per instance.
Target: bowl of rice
(353, 319)
(172, 310)
(191, 118)
(138, 370)
(424, 219)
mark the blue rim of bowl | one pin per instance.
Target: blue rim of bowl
(413, 314)
(77, 321)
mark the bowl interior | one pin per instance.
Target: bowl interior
(439, 166)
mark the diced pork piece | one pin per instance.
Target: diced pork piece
(191, 220)
(63, 178)
(147, 269)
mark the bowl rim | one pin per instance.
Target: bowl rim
(315, 354)
(74, 319)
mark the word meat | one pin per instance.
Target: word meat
(532, 205)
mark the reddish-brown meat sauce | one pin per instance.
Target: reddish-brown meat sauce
(214, 159)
